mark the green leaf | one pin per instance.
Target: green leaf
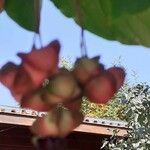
(22, 12)
(122, 6)
(126, 21)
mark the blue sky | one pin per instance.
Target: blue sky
(54, 25)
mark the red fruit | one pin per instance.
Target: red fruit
(7, 74)
(16, 79)
(22, 84)
(41, 63)
(35, 101)
(101, 88)
(36, 75)
(119, 74)
(86, 69)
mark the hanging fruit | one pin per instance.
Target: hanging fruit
(119, 75)
(58, 122)
(62, 87)
(41, 63)
(7, 74)
(101, 88)
(38, 83)
(35, 67)
(86, 69)
(36, 101)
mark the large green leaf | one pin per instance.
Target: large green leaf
(127, 21)
(22, 12)
(129, 6)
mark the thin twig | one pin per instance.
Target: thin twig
(80, 20)
(37, 10)
(83, 44)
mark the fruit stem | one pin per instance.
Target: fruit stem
(37, 10)
(83, 44)
(79, 17)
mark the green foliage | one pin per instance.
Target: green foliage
(138, 117)
(125, 21)
(111, 110)
(22, 12)
(120, 7)
(65, 63)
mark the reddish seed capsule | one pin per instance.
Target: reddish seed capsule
(101, 88)
(16, 79)
(41, 63)
(35, 101)
(8, 73)
(44, 59)
(119, 75)
(22, 84)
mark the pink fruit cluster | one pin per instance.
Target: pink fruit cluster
(99, 84)
(38, 83)
(24, 79)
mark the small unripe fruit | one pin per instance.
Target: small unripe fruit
(51, 98)
(35, 101)
(46, 126)
(86, 69)
(64, 86)
(58, 122)
(69, 121)
(65, 123)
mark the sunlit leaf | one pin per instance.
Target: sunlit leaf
(125, 21)
(22, 12)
